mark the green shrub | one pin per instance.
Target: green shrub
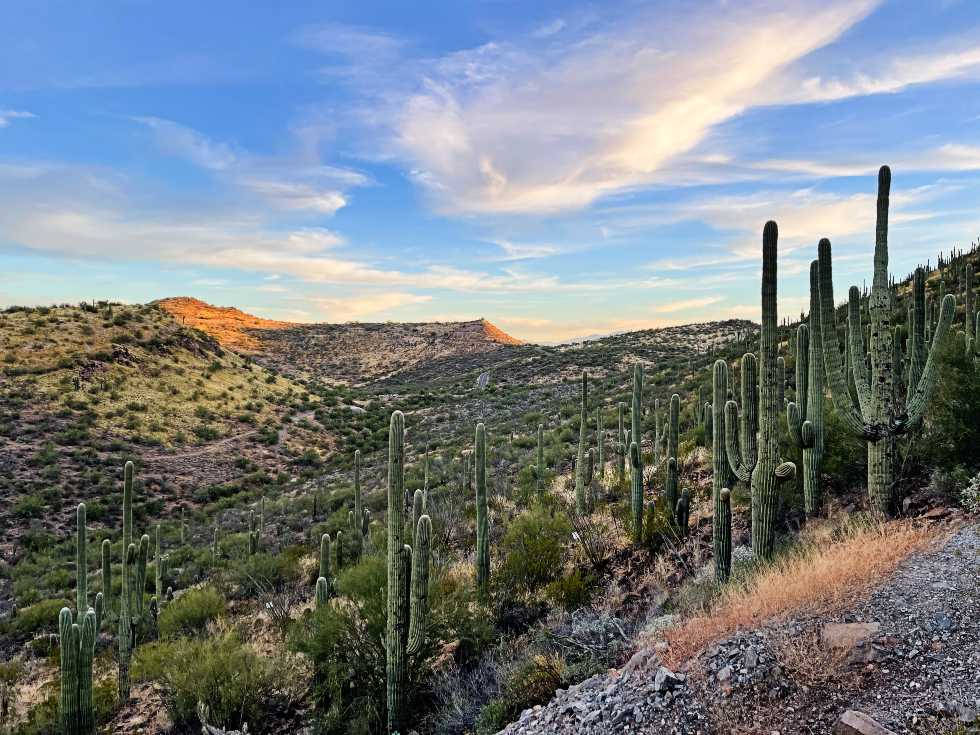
(571, 591)
(41, 617)
(190, 613)
(534, 550)
(227, 675)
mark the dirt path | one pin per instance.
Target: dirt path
(917, 673)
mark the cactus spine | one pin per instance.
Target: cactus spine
(407, 603)
(720, 531)
(875, 418)
(805, 415)
(582, 447)
(761, 454)
(482, 512)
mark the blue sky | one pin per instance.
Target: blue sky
(560, 168)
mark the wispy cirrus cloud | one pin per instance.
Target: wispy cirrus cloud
(284, 183)
(6, 116)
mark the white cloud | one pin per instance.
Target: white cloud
(351, 308)
(524, 251)
(512, 127)
(7, 115)
(284, 183)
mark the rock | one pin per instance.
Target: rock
(851, 638)
(853, 722)
(751, 659)
(725, 674)
(666, 680)
(934, 514)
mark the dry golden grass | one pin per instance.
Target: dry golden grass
(832, 565)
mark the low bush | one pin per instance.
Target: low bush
(190, 613)
(534, 550)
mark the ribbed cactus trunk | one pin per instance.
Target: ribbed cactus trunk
(875, 418)
(673, 439)
(805, 415)
(720, 530)
(768, 471)
(636, 412)
(408, 581)
(600, 440)
(81, 563)
(623, 450)
(482, 513)
(539, 470)
(324, 570)
(125, 633)
(636, 494)
(77, 648)
(357, 525)
(583, 447)
(396, 632)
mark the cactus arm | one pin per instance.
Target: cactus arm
(730, 423)
(419, 600)
(832, 358)
(856, 350)
(926, 385)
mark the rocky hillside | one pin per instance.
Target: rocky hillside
(350, 354)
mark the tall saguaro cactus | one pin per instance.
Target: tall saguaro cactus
(126, 627)
(636, 493)
(805, 415)
(600, 440)
(81, 563)
(758, 461)
(408, 572)
(875, 417)
(583, 449)
(539, 470)
(720, 532)
(673, 438)
(482, 512)
(622, 449)
(636, 412)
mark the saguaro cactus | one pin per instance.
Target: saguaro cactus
(636, 412)
(482, 511)
(539, 469)
(126, 628)
(805, 415)
(875, 417)
(357, 523)
(723, 544)
(253, 534)
(720, 532)
(324, 571)
(636, 493)
(408, 571)
(77, 648)
(81, 563)
(600, 440)
(763, 456)
(673, 437)
(583, 439)
(622, 448)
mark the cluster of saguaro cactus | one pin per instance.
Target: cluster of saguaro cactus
(408, 579)
(720, 530)
(77, 648)
(580, 460)
(875, 417)
(805, 415)
(754, 456)
(77, 644)
(482, 512)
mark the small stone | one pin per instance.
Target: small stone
(751, 659)
(665, 679)
(725, 674)
(853, 722)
